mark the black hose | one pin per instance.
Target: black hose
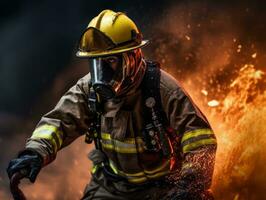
(14, 186)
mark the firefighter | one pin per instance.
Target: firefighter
(151, 140)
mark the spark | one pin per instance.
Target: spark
(205, 92)
(213, 103)
(254, 55)
(239, 47)
(187, 37)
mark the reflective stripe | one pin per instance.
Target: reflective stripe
(122, 149)
(196, 133)
(147, 172)
(159, 174)
(133, 145)
(194, 145)
(165, 165)
(187, 165)
(113, 167)
(51, 133)
(147, 177)
(144, 175)
(94, 169)
(129, 145)
(197, 138)
(107, 136)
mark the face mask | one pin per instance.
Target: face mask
(106, 75)
(116, 75)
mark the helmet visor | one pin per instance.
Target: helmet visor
(95, 40)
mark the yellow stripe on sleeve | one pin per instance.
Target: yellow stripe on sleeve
(196, 133)
(50, 133)
(194, 145)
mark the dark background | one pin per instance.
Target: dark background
(38, 41)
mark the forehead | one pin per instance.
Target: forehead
(111, 57)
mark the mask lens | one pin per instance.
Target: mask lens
(105, 75)
(101, 72)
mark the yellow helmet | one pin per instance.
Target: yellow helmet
(109, 33)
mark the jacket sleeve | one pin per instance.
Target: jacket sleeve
(62, 125)
(197, 140)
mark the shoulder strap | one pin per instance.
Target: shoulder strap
(151, 88)
(155, 120)
(94, 132)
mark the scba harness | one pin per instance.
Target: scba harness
(157, 134)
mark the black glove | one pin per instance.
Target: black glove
(28, 164)
(184, 194)
(195, 179)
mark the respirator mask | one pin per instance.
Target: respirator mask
(115, 75)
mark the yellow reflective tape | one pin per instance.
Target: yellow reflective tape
(59, 135)
(131, 174)
(108, 146)
(107, 136)
(165, 165)
(137, 180)
(47, 127)
(122, 149)
(159, 174)
(147, 177)
(123, 173)
(194, 145)
(143, 176)
(113, 168)
(46, 132)
(144, 172)
(128, 145)
(94, 169)
(49, 137)
(140, 177)
(196, 133)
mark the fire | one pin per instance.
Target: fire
(238, 119)
(194, 54)
(205, 92)
(213, 103)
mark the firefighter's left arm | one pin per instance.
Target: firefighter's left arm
(198, 144)
(62, 125)
(196, 174)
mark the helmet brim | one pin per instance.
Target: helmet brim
(122, 49)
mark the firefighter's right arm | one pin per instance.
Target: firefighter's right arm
(62, 125)
(58, 128)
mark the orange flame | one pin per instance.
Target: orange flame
(239, 119)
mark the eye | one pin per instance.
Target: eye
(112, 60)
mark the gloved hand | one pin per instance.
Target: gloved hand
(195, 176)
(28, 164)
(177, 194)
(190, 186)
